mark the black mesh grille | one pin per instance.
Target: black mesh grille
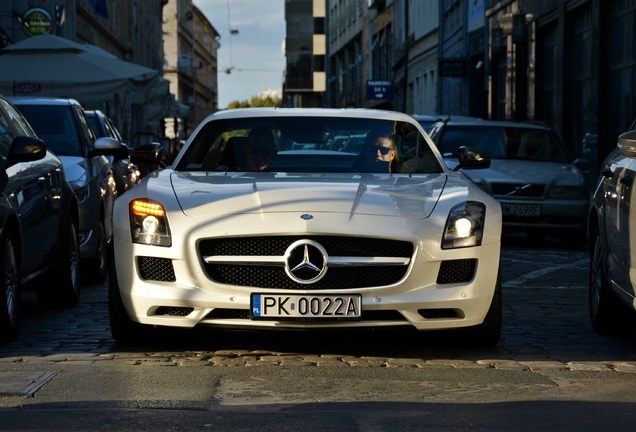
(174, 311)
(382, 315)
(517, 190)
(456, 271)
(335, 278)
(437, 313)
(157, 269)
(335, 246)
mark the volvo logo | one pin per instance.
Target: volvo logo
(306, 261)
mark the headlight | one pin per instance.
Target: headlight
(567, 192)
(465, 225)
(81, 191)
(148, 223)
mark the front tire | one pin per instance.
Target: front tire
(607, 314)
(10, 306)
(96, 268)
(65, 291)
(123, 329)
(488, 333)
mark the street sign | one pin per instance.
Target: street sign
(380, 89)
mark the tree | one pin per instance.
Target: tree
(267, 100)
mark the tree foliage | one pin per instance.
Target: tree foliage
(257, 102)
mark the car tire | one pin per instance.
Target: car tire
(10, 306)
(607, 314)
(488, 333)
(123, 329)
(66, 292)
(96, 268)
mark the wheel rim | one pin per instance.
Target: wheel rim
(596, 278)
(10, 281)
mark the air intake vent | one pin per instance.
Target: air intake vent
(456, 271)
(157, 269)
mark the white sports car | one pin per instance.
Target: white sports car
(307, 219)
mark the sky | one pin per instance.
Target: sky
(254, 56)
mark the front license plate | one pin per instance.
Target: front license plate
(526, 210)
(303, 307)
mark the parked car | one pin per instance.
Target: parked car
(612, 234)
(127, 175)
(427, 120)
(63, 126)
(246, 230)
(39, 247)
(541, 188)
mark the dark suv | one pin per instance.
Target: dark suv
(63, 126)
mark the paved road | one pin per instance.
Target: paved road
(550, 371)
(545, 325)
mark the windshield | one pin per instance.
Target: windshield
(502, 142)
(309, 144)
(54, 125)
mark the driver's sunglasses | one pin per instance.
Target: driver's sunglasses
(263, 151)
(383, 150)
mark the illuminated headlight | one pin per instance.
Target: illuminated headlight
(567, 192)
(81, 191)
(148, 223)
(465, 225)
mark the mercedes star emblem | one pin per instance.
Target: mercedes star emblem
(306, 261)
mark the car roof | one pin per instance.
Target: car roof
(468, 121)
(30, 100)
(362, 113)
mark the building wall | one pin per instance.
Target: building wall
(305, 51)
(190, 65)
(422, 66)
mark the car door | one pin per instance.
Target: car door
(34, 189)
(620, 219)
(98, 169)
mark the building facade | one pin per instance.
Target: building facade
(190, 45)
(305, 53)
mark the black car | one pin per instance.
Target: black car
(63, 126)
(39, 224)
(612, 234)
(127, 175)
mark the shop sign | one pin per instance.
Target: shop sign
(36, 22)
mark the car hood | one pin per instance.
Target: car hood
(74, 168)
(208, 194)
(524, 171)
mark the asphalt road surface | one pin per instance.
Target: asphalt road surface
(550, 371)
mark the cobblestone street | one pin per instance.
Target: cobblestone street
(546, 325)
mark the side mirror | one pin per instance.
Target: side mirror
(26, 149)
(149, 154)
(107, 146)
(470, 158)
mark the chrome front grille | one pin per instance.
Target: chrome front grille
(520, 190)
(258, 270)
